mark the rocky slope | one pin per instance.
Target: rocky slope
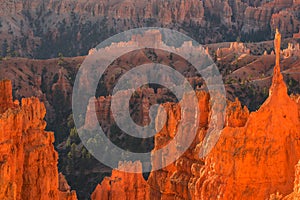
(45, 28)
(28, 161)
(253, 159)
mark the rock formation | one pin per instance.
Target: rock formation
(253, 159)
(141, 100)
(237, 116)
(28, 161)
(39, 77)
(257, 159)
(291, 50)
(237, 48)
(122, 185)
(287, 22)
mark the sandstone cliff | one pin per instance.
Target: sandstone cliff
(28, 161)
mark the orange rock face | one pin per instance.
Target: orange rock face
(256, 160)
(122, 185)
(253, 159)
(28, 161)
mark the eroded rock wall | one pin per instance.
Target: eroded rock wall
(28, 161)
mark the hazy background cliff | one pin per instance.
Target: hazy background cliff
(42, 29)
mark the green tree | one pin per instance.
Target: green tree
(70, 121)
(4, 48)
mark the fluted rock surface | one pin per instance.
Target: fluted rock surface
(28, 161)
(122, 185)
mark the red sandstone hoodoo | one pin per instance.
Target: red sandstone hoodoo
(28, 161)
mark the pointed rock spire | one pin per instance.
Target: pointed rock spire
(278, 84)
(279, 103)
(277, 44)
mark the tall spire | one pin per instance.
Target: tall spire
(278, 84)
(277, 76)
(278, 91)
(277, 43)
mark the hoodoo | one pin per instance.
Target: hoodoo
(28, 161)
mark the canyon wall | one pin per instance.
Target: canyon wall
(45, 28)
(28, 161)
